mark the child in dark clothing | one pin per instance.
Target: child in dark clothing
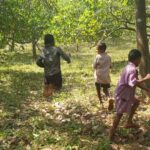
(52, 69)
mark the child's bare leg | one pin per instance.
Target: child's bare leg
(99, 95)
(111, 101)
(51, 90)
(98, 90)
(133, 109)
(48, 90)
(106, 92)
(115, 125)
(45, 92)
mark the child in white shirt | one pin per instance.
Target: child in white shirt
(102, 65)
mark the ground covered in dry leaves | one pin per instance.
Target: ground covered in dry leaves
(69, 125)
(73, 119)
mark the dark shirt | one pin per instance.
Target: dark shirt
(51, 57)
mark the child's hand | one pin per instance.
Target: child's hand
(147, 77)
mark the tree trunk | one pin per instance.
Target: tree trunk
(77, 47)
(12, 43)
(34, 49)
(141, 36)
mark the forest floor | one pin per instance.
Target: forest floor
(73, 119)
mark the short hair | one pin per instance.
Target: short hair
(134, 54)
(101, 46)
(49, 40)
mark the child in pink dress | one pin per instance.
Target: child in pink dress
(125, 99)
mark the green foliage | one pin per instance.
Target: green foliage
(104, 145)
(70, 21)
(91, 20)
(22, 21)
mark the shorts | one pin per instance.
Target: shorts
(124, 106)
(55, 80)
(101, 85)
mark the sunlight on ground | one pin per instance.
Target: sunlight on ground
(74, 119)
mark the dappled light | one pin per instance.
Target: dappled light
(60, 65)
(73, 118)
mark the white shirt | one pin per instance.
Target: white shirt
(102, 64)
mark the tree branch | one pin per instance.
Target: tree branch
(148, 27)
(120, 28)
(127, 28)
(120, 19)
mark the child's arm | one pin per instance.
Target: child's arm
(139, 82)
(110, 63)
(64, 56)
(95, 63)
(147, 77)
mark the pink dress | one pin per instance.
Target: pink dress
(125, 91)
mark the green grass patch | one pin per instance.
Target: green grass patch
(73, 120)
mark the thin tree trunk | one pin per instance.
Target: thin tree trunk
(34, 49)
(12, 43)
(141, 36)
(77, 47)
(12, 46)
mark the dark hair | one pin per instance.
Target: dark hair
(134, 54)
(49, 40)
(101, 46)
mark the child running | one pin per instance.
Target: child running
(52, 67)
(125, 99)
(102, 65)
